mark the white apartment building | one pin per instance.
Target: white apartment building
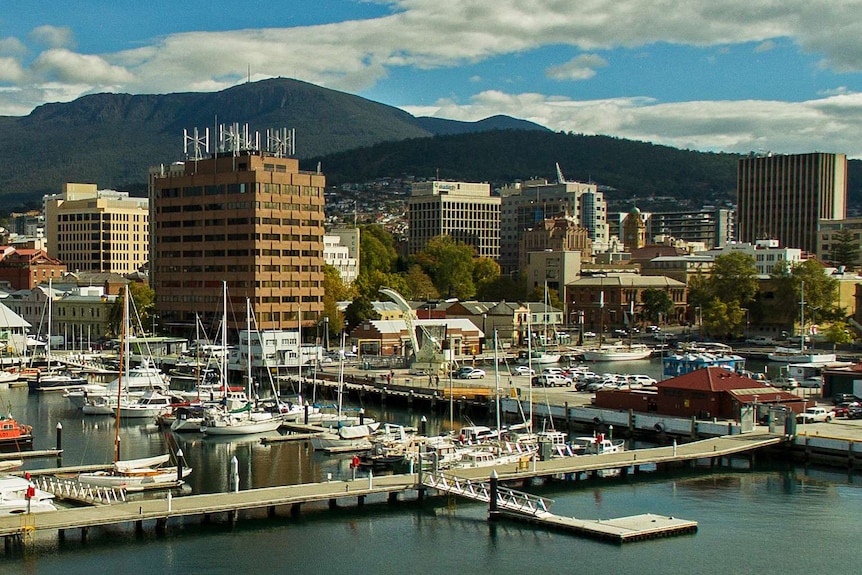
(766, 254)
(338, 256)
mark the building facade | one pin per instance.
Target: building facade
(338, 256)
(606, 302)
(766, 254)
(526, 204)
(97, 230)
(784, 197)
(464, 211)
(247, 218)
(828, 236)
(23, 268)
(715, 227)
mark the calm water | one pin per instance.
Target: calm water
(768, 520)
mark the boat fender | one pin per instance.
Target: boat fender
(597, 420)
(659, 427)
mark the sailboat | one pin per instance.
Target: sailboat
(801, 355)
(619, 351)
(53, 380)
(345, 436)
(539, 356)
(247, 419)
(133, 474)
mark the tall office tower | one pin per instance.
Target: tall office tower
(467, 212)
(245, 216)
(526, 204)
(97, 230)
(783, 197)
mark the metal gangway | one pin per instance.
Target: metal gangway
(507, 499)
(76, 491)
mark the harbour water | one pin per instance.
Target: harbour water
(768, 519)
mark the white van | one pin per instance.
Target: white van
(552, 380)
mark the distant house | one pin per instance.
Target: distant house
(705, 393)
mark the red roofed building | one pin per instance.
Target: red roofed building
(705, 393)
(25, 268)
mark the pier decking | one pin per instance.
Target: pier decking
(391, 485)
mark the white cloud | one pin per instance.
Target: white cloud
(65, 66)
(53, 36)
(767, 46)
(12, 47)
(828, 124)
(581, 67)
(10, 70)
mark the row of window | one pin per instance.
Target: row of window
(103, 217)
(240, 188)
(198, 299)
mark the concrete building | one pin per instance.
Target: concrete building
(680, 268)
(338, 256)
(464, 211)
(715, 227)
(766, 254)
(784, 197)
(526, 204)
(97, 230)
(349, 238)
(828, 236)
(248, 218)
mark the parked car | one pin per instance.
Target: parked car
(473, 373)
(553, 371)
(815, 414)
(523, 370)
(842, 397)
(653, 328)
(660, 336)
(843, 409)
(551, 380)
(854, 413)
(760, 340)
(590, 334)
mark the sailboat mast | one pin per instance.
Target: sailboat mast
(224, 339)
(530, 370)
(124, 358)
(497, 383)
(802, 316)
(248, 346)
(340, 374)
(50, 307)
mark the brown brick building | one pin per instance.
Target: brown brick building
(250, 219)
(25, 268)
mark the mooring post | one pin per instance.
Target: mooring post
(492, 503)
(423, 426)
(59, 436)
(180, 465)
(234, 474)
(305, 413)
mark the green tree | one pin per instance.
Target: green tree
(376, 250)
(359, 310)
(845, 248)
(839, 333)
(724, 295)
(485, 271)
(420, 286)
(450, 266)
(504, 288)
(809, 280)
(538, 294)
(656, 302)
(368, 285)
(334, 291)
(141, 310)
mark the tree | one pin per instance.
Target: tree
(839, 333)
(504, 288)
(450, 266)
(376, 250)
(141, 309)
(656, 302)
(845, 248)
(734, 278)
(334, 291)
(485, 271)
(368, 285)
(359, 310)
(538, 294)
(420, 286)
(809, 280)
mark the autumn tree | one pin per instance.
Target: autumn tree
(334, 291)
(143, 304)
(419, 284)
(376, 250)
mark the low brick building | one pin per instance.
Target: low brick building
(705, 393)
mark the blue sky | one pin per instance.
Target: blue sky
(735, 75)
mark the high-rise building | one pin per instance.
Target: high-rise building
(465, 211)
(784, 197)
(246, 217)
(712, 226)
(97, 230)
(526, 204)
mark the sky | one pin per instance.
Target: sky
(716, 75)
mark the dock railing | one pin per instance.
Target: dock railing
(508, 499)
(71, 489)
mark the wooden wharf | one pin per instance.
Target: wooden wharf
(31, 454)
(18, 528)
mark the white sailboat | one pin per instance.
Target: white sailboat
(619, 351)
(133, 474)
(247, 419)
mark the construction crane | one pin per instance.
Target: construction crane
(429, 357)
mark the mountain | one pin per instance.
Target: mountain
(627, 170)
(112, 139)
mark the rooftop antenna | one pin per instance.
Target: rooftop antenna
(199, 144)
(281, 143)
